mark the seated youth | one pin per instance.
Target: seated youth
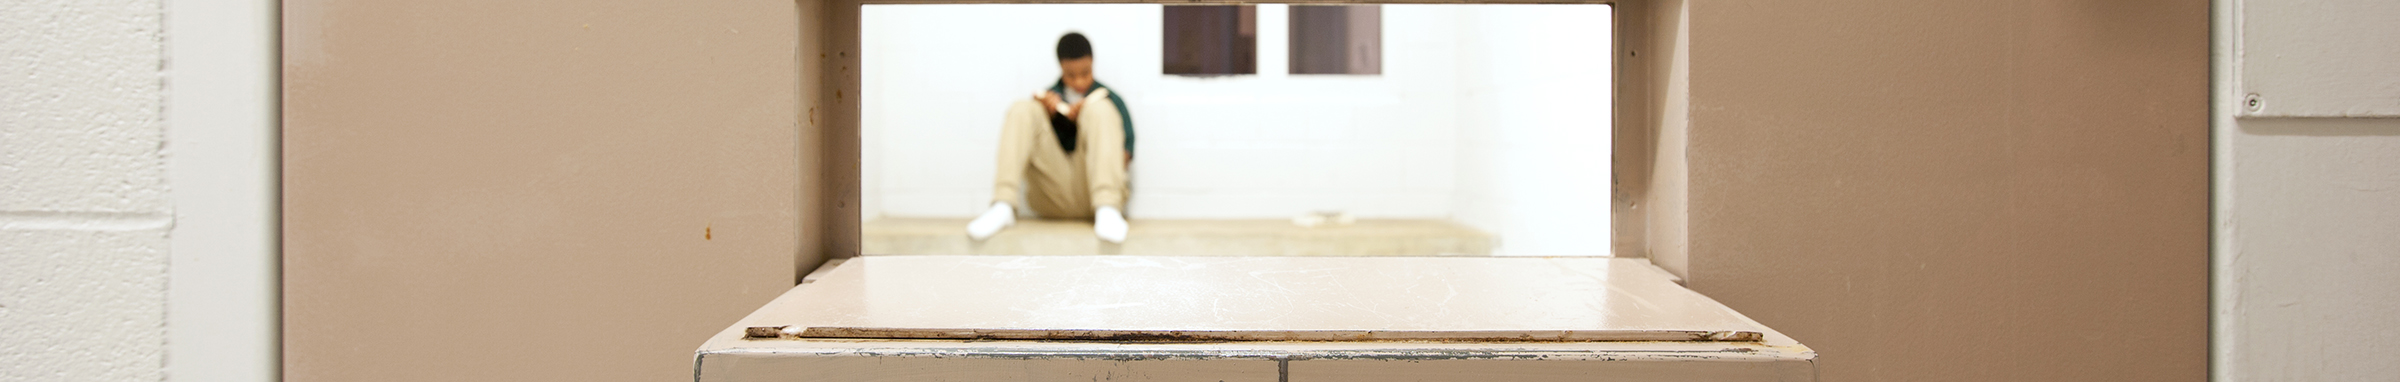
(1067, 147)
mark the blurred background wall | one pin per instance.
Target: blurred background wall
(1491, 115)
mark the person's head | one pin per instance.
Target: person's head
(1075, 62)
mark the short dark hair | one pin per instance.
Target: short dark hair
(1073, 46)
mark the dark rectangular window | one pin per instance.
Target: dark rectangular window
(1211, 40)
(1337, 39)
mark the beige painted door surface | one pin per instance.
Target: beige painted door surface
(1877, 177)
(533, 190)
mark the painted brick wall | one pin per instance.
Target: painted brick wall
(84, 204)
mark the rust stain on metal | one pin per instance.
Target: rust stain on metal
(762, 332)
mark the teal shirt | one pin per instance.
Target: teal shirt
(1126, 115)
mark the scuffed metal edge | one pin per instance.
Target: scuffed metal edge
(1746, 353)
(762, 332)
(845, 332)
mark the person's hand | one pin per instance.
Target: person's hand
(1050, 101)
(1077, 110)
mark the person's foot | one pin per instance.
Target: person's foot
(1000, 216)
(1109, 225)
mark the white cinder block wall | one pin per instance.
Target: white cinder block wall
(84, 202)
(1483, 114)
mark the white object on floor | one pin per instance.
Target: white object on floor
(1000, 216)
(1326, 217)
(1109, 224)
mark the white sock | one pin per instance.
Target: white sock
(1109, 225)
(1000, 216)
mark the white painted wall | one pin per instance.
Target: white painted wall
(1272, 145)
(84, 204)
(2307, 209)
(1534, 132)
(106, 272)
(2327, 58)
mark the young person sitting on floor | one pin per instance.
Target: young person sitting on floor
(1068, 146)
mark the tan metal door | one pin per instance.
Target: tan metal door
(534, 190)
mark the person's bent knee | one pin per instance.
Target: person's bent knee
(1026, 106)
(1098, 113)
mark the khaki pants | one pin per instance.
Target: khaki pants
(1062, 185)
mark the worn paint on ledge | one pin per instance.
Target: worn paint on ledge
(1253, 335)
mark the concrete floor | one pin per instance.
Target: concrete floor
(1369, 237)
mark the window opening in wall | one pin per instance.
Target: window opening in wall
(1059, 129)
(1337, 39)
(1210, 39)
